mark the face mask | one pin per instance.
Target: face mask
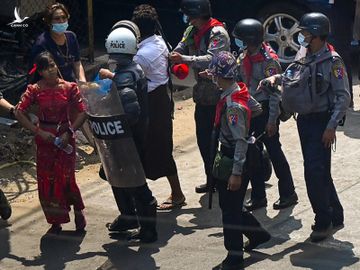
(60, 27)
(240, 44)
(186, 19)
(301, 40)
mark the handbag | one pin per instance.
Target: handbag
(222, 168)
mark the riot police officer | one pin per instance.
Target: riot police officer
(316, 87)
(136, 204)
(204, 37)
(233, 120)
(256, 62)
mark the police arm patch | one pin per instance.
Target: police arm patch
(233, 116)
(214, 42)
(338, 70)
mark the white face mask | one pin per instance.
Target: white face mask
(301, 40)
(186, 19)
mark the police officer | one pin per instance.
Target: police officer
(135, 203)
(204, 37)
(257, 62)
(233, 119)
(317, 124)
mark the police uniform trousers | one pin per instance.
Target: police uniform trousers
(317, 170)
(277, 157)
(236, 222)
(159, 160)
(204, 121)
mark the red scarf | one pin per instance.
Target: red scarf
(241, 97)
(330, 47)
(204, 29)
(257, 58)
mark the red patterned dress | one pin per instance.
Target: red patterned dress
(55, 168)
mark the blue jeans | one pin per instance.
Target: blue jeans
(317, 170)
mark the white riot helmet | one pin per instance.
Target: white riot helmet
(121, 41)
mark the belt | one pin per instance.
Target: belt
(227, 151)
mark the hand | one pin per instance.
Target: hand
(205, 74)
(46, 136)
(234, 182)
(175, 58)
(271, 129)
(328, 137)
(265, 83)
(64, 139)
(105, 74)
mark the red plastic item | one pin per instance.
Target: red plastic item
(181, 71)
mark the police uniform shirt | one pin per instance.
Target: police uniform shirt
(260, 71)
(200, 59)
(205, 92)
(152, 56)
(333, 82)
(233, 129)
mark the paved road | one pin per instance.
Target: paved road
(191, 237)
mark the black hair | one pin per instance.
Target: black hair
(50, 10)
(43, 60)
(146, 18)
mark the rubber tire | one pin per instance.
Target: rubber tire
(281, 7)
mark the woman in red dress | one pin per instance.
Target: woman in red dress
(55, 167)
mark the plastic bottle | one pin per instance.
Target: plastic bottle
(67, 149)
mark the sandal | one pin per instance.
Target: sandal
(169, 204)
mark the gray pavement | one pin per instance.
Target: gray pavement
(191, 237)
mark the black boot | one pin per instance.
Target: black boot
(128, 219)
(253, 230)
(147, 220)
(5, 208)
(203, 188)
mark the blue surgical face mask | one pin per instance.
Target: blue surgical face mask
(186, 19)
(301, 40)
(60, 27)
(240, 44)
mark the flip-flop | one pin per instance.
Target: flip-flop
(169, 204)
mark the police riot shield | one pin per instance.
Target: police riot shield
(112, 135)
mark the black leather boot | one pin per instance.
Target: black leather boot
(128, 219)
(147, 220)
